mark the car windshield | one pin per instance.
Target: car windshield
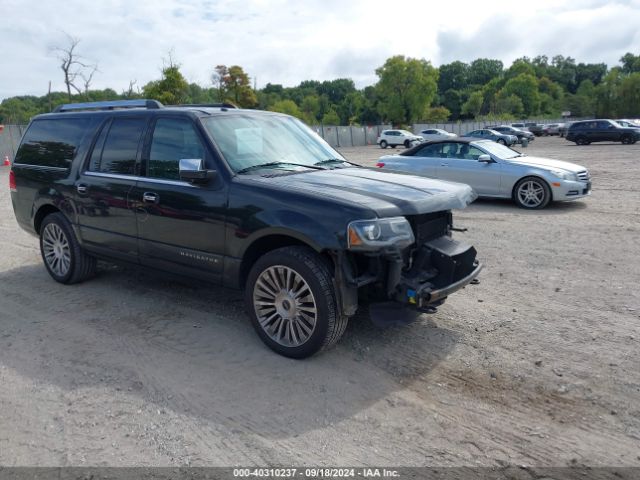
(405, 132)
(274, 141)
(499, 150)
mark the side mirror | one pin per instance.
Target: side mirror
(192, 170)
(485, 159)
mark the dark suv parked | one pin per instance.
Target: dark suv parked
(242, 198)
(585, 132)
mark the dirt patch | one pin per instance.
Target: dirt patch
(536, 365)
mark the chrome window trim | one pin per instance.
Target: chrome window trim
(139, 179)
(41, 167)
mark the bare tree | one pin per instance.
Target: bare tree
(73, 65)
(130, 91)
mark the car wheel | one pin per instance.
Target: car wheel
(501, 141)
(63, 256)
(627, 139)
(532, 193)
(581, 140)
(393, 146)
(383, 144)
(407, 143)
(292, 304)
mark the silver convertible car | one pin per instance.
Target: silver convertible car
(494, 170)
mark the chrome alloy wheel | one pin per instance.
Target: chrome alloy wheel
(531, 193)
(285, 306)
(57, 252)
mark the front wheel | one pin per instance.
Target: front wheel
(407, 143)
(292, 304)
(501, 141)
(532, 193)
(63, 256)
(383, 144)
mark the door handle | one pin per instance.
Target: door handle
(444, 164)
(150, 197)
(81, 188)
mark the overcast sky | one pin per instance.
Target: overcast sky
(286, 41)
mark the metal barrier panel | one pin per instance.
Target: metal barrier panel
(344, 136)
(358, 136)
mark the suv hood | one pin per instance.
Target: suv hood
(547, 163)
(388, 194)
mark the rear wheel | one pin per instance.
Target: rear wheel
(501, 141)
(292, 303)
(627, 139)
(532, 193)
(581, 140)
(63, 256)
(383, 144)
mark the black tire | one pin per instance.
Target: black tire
(314, 270)
(393, 146)
(627, 140)
(80, 267)
(501, 141)
(582, 140)
(383, 144)
(407, 143)
(535, 182)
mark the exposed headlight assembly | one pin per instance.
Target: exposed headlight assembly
(368, 235)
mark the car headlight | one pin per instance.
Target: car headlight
(565, 175)
(379, 233)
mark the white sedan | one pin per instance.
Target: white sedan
(494, 171)
(436, 134)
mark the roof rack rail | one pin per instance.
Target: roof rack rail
(109, 105)
(204, 105)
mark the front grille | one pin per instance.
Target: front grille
(584, 175)
(430, 225)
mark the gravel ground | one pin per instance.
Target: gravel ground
(537, 365)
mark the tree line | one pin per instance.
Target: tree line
(408, 90)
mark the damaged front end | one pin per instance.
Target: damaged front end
(400, 280)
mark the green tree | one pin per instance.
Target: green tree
(482, 70)
(473, 106)
(453, 76)
(520, 66)
(437, 115)
(310, 109)
(630, 63)
(331, 117)
(406, 87)
(171, 89)
(509, 105)
(524, 86)
(452, 100)
(238, 87)
(629, 103)
(287, 106)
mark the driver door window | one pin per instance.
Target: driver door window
(173, 139)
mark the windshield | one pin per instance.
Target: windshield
(276, 141)
(499, 150)
(406, 132)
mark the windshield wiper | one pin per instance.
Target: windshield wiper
(335, 160)
(276, 164)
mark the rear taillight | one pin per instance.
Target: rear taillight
(380, 164)
(12, 181)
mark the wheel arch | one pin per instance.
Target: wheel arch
(41, 213)
(267, 243)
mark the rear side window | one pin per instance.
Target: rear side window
(53, 142)
(117, 149)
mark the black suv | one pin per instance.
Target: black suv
(585, 132)
(242, 198)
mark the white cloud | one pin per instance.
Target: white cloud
(283, 41)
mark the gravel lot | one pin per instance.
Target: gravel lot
(537, 365)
